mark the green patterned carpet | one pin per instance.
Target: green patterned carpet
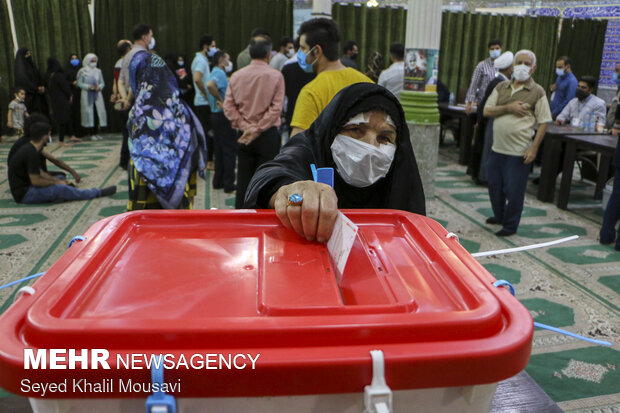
(575, 286)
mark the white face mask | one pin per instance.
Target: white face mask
(93, 64)
(522, 72)
(152, 43)
(359, 163)
(290, 53)
(229, 67)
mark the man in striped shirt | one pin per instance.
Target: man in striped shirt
(484, 73)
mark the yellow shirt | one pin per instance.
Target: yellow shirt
(315, 96)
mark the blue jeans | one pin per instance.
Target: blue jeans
(58, 193)
(507, 178)
(612, 215)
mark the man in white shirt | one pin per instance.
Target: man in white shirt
(142, 40)
(287, 50)
(393, 77)
(583, 105)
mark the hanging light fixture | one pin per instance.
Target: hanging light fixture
(372, 3)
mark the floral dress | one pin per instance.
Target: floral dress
(166, 141)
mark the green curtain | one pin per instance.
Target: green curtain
(373, 28)
(53, 28)
(582, 41)
(464, 38)
(6, 65)
(177, 26)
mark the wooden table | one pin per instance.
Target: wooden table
(550, 163)
(603, 144)
(467, 123)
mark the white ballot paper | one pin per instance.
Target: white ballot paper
(340, 243)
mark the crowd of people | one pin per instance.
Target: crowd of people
(513, 115)
(181, 121)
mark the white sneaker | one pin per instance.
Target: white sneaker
(94, 138)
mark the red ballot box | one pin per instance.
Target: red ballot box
(241, 310)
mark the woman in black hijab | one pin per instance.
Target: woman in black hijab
(60, 97)
(72, 67)
(176, 63)
(380, 172)
(28, 77)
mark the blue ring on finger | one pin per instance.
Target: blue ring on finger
(295, 200)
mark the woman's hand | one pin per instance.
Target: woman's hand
(314, 219)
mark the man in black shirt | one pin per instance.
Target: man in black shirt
(29, 186)
(351, 51)
(294, 80)
(43, 155)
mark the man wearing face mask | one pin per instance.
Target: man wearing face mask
(295, 78)
(518, 107)
(351, 51)
(583, 105)
(211, 51)
(484, 133)
(200, 75)
(142, 40)
(363, 135)
(287, 49)
(483, 74)
(565, 86)
(225, 137)
(318, 52)
(30, 186)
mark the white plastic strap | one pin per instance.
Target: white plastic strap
(24, 290)
(377, 396)
(382, 408)
(524, 248)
